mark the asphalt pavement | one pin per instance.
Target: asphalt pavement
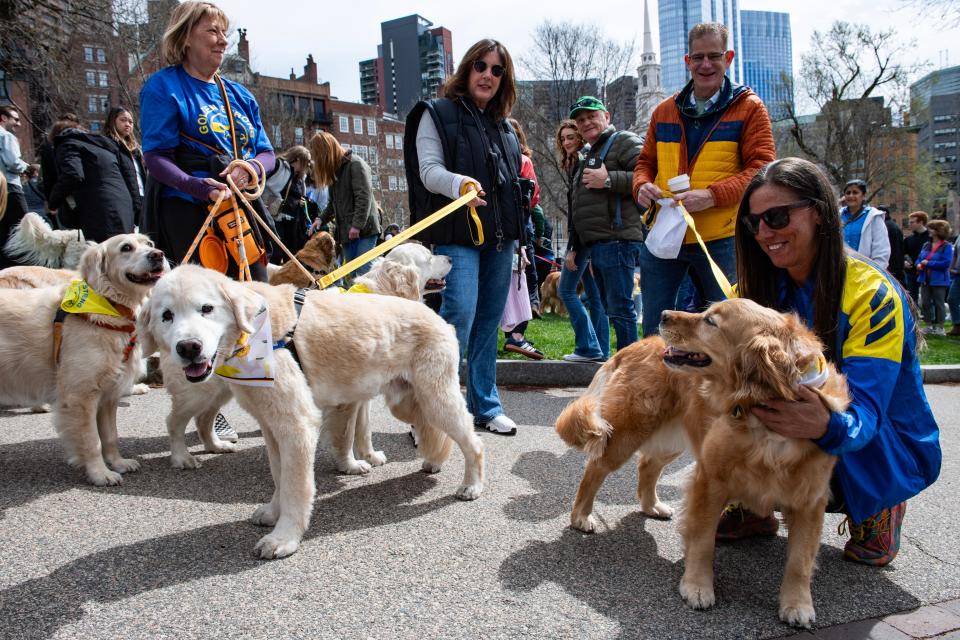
(394, 555)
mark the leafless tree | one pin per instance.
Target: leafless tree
(947, 11)
(845, 77)
(565, 61)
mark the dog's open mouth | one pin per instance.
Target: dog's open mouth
(198, 371)
(150, 277)
(680, 358)
(435, 285)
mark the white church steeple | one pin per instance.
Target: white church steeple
(649, 88)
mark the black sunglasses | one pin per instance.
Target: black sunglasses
(775, 217)
(481, 65)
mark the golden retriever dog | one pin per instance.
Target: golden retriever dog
(432, 269)
(739, 355)
(31, 277)
(98, 356)
(352, 347)
(32, 241)
(318, 255)
(550, 301)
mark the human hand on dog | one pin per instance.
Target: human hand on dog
(805, 417)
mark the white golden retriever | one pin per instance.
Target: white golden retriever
(98, 356)
(351, 348)
(432, 268)
(34, 242)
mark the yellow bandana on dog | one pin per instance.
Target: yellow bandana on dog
(251, 363)
(81, 298)
(816, 374)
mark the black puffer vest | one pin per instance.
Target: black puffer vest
(491, 155)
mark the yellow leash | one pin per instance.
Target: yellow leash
(407, 233)
(717, 271)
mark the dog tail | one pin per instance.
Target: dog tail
(32, 241)
(581, 424)
(432, 444)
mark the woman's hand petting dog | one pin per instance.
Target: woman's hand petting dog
(805, 417)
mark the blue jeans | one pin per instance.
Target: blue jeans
(614, 263)
(662, 278)
(473, 303)
(591, 334)
(953, 300)
(358, 247)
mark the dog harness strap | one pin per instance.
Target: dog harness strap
(58, 319)
(286, 342)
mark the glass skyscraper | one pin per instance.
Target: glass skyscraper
(767, 55)
(677, 17)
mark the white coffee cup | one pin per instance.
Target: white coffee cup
(679, 184)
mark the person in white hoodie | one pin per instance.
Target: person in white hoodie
(863, 227)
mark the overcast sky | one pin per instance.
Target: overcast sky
(341, 33)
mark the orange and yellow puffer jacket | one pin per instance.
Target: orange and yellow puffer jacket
(738, 145)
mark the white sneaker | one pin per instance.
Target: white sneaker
(575, 357)
(501, 425)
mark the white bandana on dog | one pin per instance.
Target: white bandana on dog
(251, 362)
(816, 374)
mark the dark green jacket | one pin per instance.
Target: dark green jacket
(351, 200)
(594, 210)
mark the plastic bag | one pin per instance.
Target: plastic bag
(669, 228)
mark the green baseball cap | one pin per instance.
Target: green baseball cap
(586, 103)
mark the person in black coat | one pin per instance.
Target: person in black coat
(98, 183)
(895, 234)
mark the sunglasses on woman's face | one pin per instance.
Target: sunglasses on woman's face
(481, 65)
(774, 217)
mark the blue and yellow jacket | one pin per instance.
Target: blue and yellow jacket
(888, 441)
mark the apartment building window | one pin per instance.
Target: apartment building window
(357, 125)
(943, 132)
(104, 104)
(371, 127)
(104, 79)
(389, 138)
(318, 110)
(88, 54)
(375, 180)
(101, 56)
(345, 146)
(374, 159)
(95, 126)
(289, 104)
(344, 124)
(945, 145)
(92, 104)
(403, 184)
(361, 151)
(91, 78)
(277, 136)
(298, 135)
(945, 118)
(392, 183)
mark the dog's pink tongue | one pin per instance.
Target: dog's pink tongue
(196, 369)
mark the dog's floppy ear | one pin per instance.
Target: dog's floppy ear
(327, 245)
(243, 302)
(765, 369)
(147, 342)
(92, 263)
(405, 281)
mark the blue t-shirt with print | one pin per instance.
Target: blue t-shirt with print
(179, 110)
(853, 227)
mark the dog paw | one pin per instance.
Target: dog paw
(222, 446)
(265, 515)
(354, 467)
(139, 389)
(697, 596)
(659, 510)
(798, 616)
(271, 547)
(125, 465)
(104, 477)
(184, 461)
(429, 467)
(469, 491)
(375, 458)
(587, 524)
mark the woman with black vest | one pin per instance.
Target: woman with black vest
(462, 141)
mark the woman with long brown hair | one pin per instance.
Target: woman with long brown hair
(459, 142)
(119, 127)
(352, 205)
(591, 334)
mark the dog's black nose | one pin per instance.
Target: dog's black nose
(189, 349)
(155, 257)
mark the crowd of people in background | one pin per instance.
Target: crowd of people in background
(774, 226)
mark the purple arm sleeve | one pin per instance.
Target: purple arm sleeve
(268, 159)
(161, 166)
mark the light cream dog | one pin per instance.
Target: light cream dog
(95, 366)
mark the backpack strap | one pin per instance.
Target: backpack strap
(617, 218)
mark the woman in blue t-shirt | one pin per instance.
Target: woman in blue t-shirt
(187, 136)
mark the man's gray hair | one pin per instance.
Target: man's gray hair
(704, 29)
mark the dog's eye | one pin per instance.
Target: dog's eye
(207, 308)
(710, 321)
(126, 248)
(149, 243)
(167, 316)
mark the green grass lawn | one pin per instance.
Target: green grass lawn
(553, 335)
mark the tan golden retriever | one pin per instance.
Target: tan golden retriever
(31, 277)
(351, 348)
(318, 255)
(716, 366)
(97, 362)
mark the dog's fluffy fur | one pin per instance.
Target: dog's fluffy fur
(351, 347)
(34, 242)
(29, 277)
(91, 375)
(429, 267)
(717, 366)
(550, 301)
(318, 255)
